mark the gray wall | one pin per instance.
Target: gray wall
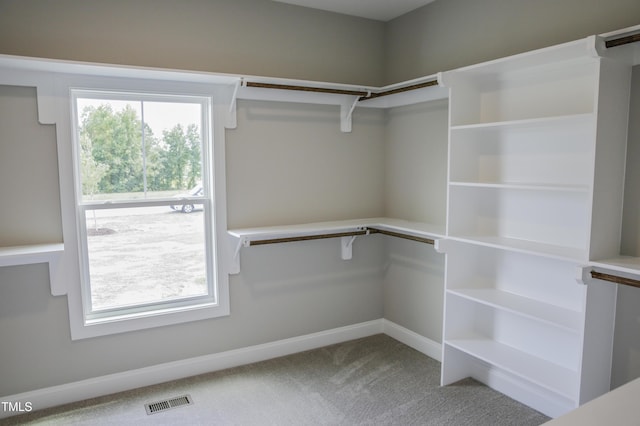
(415, 190)
(294, 165)
(254, 37)
(448, 34)
(31, 177)
(283, 291)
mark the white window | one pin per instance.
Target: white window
(145, 207)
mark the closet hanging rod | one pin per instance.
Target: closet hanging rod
(401, 90)
(399, 235)
(615, 279)
(362, 94)
(622, 40)
(365, 231)
(305, 88)
(307, 237)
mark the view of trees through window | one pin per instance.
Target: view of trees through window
(149, 151)
(120, 155)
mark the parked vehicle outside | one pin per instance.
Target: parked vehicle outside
(188, 206)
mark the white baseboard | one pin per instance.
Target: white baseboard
(543, 400)
(412, 339)
(119, 382)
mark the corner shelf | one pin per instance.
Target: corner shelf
(347, 230)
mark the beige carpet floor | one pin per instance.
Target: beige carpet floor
(372, 381)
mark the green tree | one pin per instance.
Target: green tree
(115, 161)
(180, 158)
(92, 172)
(116, 141)
(194, 145)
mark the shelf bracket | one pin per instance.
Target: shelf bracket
(232, 117)
(346, 113)
(234, 267)
(583, 274)
(346, 245)
(441, 245)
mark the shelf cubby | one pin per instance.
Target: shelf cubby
(550, 152)
(551, 345)
(552, 377)
(501, 92)
(540, 220)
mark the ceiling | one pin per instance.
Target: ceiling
(380, 10)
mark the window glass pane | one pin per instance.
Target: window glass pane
(145, 255)
(138, 149)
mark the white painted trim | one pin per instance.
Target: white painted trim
(118, 382)
(412, 339)
(523, 391)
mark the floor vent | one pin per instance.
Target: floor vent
(167, 404)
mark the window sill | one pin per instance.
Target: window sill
(145, 320)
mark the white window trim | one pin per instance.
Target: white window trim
(80, 326)
(53, 81)
(161, 307)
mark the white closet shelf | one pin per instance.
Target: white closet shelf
(577, 52)
(571, 254)
(34, 71)
(620, 270)
(347, 230)
(30, 254)
(555, 316)
(548, 375)
(625, 264)
(555, 120)
(524, 186)
(259, 234)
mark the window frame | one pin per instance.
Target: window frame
(96, 316)
(83, 326)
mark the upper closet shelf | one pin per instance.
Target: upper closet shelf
(577, 51)
(422, 89)
(346, 230)
(37, 72)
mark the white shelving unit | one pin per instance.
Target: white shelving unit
(533, 146)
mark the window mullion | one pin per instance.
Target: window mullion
(144, 149)
(142, 203)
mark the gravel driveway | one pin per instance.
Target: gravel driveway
(145, 254)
